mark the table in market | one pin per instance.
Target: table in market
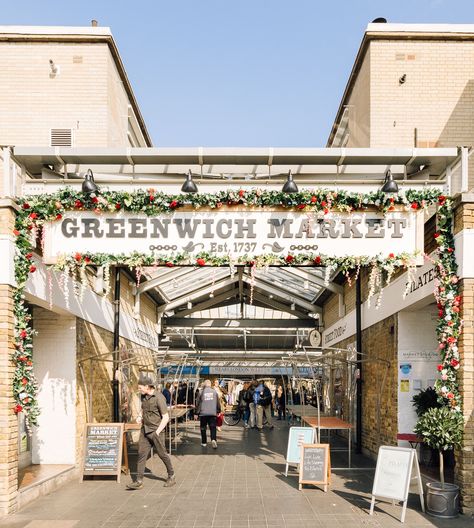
(331, 423)
(175, 414)
(300, 411)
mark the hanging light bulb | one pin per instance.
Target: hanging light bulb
(390, 185)
(88, 185)
(290, 186)
(189, 186)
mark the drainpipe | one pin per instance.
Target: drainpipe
(359, 365)
(115, 382)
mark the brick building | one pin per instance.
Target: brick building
(391, 103)
(411, 85)
(61, 87)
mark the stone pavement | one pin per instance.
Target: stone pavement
(239, 485)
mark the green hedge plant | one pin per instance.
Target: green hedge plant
(441, 429)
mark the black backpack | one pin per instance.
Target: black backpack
(266, 397)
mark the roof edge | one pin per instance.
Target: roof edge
(79, 34)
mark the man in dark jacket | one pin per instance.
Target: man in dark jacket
(263, 402)
(154, 418)
(207, 408)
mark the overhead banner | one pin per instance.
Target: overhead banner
(238, 233)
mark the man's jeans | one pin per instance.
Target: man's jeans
(210, 421)
(146, 442)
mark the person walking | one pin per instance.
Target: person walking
(281, 402)
(154, 418)
(252, 407)
(243, 403)
(221, 396)
(207, 408)
(263, 402)
(167, 393)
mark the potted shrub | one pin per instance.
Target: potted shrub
(423, 401)
(441, 429)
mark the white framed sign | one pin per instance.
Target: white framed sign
(393, 476)
(235, 232)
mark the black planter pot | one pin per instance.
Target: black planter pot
(441, 501)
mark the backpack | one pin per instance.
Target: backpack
(266, 397)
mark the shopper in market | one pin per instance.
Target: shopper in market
(263, 403)
(252, 407)
(221, 396)
(207, 407)
(167, 393)
(244, 403)
(281, 402)
(154, 418)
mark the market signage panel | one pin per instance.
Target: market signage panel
(238, 233)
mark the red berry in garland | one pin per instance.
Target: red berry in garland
(313, 199)
(59, 216)
(26, 205)
(23, 334)
(24, 381)
(289, 258)
(78, 204)
(173, 204)
(317, 260)
(18, 408)
(200, 262)
(414, 206)
(32, 268)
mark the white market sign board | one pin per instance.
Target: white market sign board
(393, 476)
(238, 233)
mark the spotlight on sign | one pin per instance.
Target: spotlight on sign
(189, 186)
(88, 185)
(390, 185)
(290, 186)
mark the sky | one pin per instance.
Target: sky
(246, 73)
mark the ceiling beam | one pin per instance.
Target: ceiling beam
(275, 305)
(199, 292)
(163, 278)
(331, 286)
(209, 303)
(239, 324)
(283, 294)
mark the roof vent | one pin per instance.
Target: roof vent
(379, 20)
(94, 23)
(61, 137)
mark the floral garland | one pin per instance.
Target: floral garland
(449, 300)
(34, 211)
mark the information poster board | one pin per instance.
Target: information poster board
(103, 449)
(393, 475)
(296, 438)
(315, 465)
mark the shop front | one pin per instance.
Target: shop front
(341, 260)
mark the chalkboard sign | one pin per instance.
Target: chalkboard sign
(393, 476)
(103, 449)
(315, 465)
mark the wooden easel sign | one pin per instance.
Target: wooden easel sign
(315, 465)
(102, 450)
(393, 476)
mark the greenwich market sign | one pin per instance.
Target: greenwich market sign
(336, 230)
(237, 233)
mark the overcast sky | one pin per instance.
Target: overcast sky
(241, 73)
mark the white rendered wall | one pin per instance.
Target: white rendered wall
(55, 368)
(418, 352)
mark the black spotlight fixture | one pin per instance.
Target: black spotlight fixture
(390, 185)
(88, 185)
(290, 186)
(189, 186)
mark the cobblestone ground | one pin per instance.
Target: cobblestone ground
(239, 485)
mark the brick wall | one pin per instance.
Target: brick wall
(87, 95)
(8, 420)
(465, 456)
